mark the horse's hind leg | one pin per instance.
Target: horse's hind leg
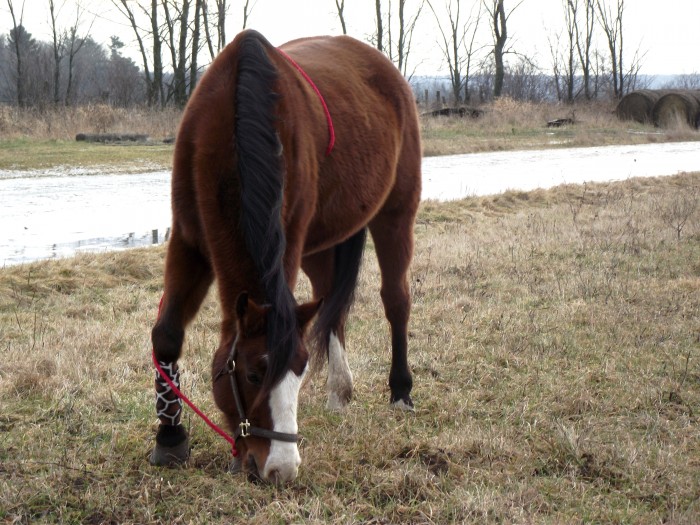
(392, 231)
(330, 339)
(188, 276)
(333, 274)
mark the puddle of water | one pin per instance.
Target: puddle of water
(459, 176)
(57, 215)
(60, 212)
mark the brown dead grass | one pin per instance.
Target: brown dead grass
(511, 125)
(505, 125)
(554, 343)
(64, 123)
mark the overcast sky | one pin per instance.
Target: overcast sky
(667, 31)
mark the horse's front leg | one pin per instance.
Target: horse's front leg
(188, 276)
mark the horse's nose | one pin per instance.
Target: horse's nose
(280, 476)
(282, 472)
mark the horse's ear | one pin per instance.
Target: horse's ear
(251, 317)
(307, 311)
(241, 305)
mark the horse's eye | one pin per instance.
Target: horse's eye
(253, 378)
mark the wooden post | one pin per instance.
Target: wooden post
(154, 237)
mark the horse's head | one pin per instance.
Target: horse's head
(263, 417)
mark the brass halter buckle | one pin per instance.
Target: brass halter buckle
(245, 428)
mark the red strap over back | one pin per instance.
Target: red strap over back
(331, 130)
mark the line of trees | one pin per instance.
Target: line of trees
(587, 55)
(176, 39)
(72, 68)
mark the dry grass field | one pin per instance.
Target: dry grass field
(509, 125)
(555, 342)
(33, 139)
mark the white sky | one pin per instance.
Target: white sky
(668, 31)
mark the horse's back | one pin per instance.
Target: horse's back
(375, 162)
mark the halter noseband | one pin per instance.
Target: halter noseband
(245, 429)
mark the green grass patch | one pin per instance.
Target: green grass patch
(40, 154)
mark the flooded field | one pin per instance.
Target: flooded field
(60, 212)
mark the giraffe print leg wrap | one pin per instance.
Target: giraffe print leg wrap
(168, 405)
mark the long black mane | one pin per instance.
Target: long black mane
(261, 171)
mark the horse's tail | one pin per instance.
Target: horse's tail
(261, 172)
(347, 260)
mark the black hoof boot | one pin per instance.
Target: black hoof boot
(172, 446)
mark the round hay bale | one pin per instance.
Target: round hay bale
(638, 105)
(675, 108)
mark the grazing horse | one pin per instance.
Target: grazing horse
(283, 160)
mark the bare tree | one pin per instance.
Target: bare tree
(207, 30)
(380, 25)
(221, 12)
(198, 5)
(247, 10)
(458, 46)
(340, 6)
(499, 28)
(58, 50)
(65, 44)
(72, 44)
(611, 22)
(156, 89)
(154, 83)
(398, 50)
(557, 73)
(584, 39)
(18, 32)
(570, 65)
(178, 28)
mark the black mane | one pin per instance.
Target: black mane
(262, 187)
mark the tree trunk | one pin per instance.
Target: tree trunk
(380, 25)
(57, 54)
(340, 6)
(584, 44)
(501, 35)
(402, 37)
(18, 31)
(195, 46)
(221, 24)
(156, 90)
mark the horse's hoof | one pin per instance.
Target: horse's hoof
(163, 456)
(172, 446)
(405, 404)
(337, 403)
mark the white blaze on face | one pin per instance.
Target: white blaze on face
(284, 458)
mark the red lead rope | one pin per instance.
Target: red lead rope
(189, 403)
(331, 130)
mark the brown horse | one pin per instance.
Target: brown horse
(259, 191)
